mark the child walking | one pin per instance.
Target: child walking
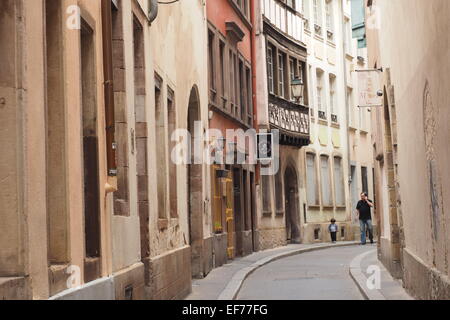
(333, 228)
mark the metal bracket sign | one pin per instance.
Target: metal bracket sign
(265, 143)
(369, 87)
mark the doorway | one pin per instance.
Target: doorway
(195, 187)
(238, 211)
(90, 156)
(292, 217)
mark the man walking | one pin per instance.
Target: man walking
(365, 217)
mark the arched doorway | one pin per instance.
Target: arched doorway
(195, 186)
(292, 216)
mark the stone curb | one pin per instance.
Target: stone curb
(234, 286)
(360, 279)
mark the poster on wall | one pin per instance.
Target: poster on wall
(369, 89)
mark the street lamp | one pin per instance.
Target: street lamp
(298, 88)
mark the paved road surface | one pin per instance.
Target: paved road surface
(317, 275)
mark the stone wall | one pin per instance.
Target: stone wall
(272, 238)
(169, 275)
(423, 282)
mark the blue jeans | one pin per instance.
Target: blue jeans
(362, 226)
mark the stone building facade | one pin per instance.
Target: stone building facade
(179, 220)
(59, 125)
(281, 59)
(326, 159)
(93, 208)
(231, 121)
(410, 134)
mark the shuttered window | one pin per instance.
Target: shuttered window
(265, 186)
(311, 180)
(339, 182)
(326, 183)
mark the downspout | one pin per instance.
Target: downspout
(153, 11)
(347, 116)
(108, 87)
(254, 100)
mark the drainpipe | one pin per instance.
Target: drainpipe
(153, 11)
(253, 57)
(347, 116)
(108, 87)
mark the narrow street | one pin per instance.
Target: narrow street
(224, 150)
(321, 274)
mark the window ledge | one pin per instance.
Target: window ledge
(267, 214)
(314, 206)
(328, 206)
(323, 122)
(331, 44)
(318, 37)
(279, 213)
(363, 131)
(336, 125)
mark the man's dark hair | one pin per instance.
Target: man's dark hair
(365, 193)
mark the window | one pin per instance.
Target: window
(330, 21)
(350, 107)
(362, 118)
(160, 128)
(347, 36)
(172, 117)
(236, 85)
(281, 77)
(301, 73)
(248, 80)
(365, 184)
(270, 69)
(266, 195)
(339, 182)
(290, 3)
(216, 200)
(310, 94)
(320, 101)
(242, 6)
(326, 182)
(222, 72)
(318, 15)
(279, 193)
(242, 91)
(211, 64)
(332, 95)
(311, 179)
(306, 14)
(292, 74)
(232, 81)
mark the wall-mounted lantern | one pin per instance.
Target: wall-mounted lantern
(298, 88)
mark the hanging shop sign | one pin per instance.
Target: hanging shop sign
(369, 88)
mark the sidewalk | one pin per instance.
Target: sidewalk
(223, 283)
(390, 288)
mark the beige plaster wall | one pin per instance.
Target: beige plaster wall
(413, 43)
(180, 59)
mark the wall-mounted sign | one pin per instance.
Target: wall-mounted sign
(369, 88)
(265, 143)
